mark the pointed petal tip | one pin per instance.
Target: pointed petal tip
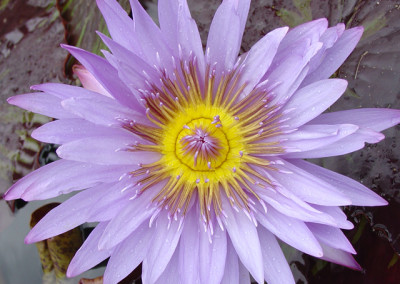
(73, 269)
(61, 153)
(7, 196)
(70, 273)
(259, 277)
(352, 264)
(29, 239)
(384, 203)
(284, 29)
(100, 34)
(379, 137)
(17, 100)
(281, 31)
(69, 48)
(340, 85)
(11, 194)
(65, 46)
(343, 82)
(106, 243)
(347, 226)
(35, 235)
(40, 87)
(319, 253)
(378, 201)
(321, 21)
(358, 30)
(36, 134)
(10, 100)
(102, 245)
(357, 266)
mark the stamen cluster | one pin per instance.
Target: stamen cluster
(210, 138)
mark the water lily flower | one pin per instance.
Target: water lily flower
(191, 160)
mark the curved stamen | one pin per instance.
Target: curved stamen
(201, 145)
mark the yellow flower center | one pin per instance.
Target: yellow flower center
(220, 137)
(210, 140)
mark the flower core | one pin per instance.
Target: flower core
(209, 136)
(201, 145)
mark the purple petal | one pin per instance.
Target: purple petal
(129, 254)
(311, 31)
(310, 137)
(328, 39)
(63, 91)
(331, 35)
(106, 75)
(88, 255)
(315, 131)
(225, 36)
(312, 100)
(331, 236)
(259, 58)
(242, 8)
(117, 199)
(244, 237)
(212, 255)
(180, 29)
(291, 208)
(189, 250)
(102, 111)
(165, 241)
(339, 257)
(308, 187)
(337, 214)
(376, 119)
(231, 271)
(346, 145)
(276, 268)
(67, 130)
(292, 231)
(141, 70)
(62, 177)
(41, 103)
(68, 215)
(129, 219)
(303, 50)
(171, 273)
(168, 18)
(88, 149)
(336, 55)
(88, 81)
(132, 77)
(119, 24)
(244, 276)
(151, 40)
(358, 194)
(281, 79)
(276, 189)
(289, 68)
